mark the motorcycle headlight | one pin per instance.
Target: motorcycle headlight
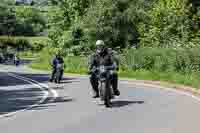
(102, 69)
(111, 72)
(59, 65)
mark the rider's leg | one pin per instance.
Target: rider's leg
(95, 85)
(115, 84)
(61, 74)
(53, 74)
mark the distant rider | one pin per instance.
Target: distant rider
(55, 61)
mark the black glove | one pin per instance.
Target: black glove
(117, 68)
(89, 72)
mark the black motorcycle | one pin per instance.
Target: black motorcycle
(104, 74)
(59, 73)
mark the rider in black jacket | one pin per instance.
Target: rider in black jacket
(102, 56)
(56, 60)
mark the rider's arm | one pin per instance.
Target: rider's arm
(115, 62)
(90, 63)
(53, 62)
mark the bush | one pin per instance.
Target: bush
(30, 21)
(75, 64)
(7, 41)
(24, 43)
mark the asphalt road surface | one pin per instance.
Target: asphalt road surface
(29, 104)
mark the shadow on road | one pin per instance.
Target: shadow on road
(16, 94)
(118, 104)
(15, 100)
(50, 102)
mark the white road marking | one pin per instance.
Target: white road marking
(125, 81)
(54, 92)
(46, 93)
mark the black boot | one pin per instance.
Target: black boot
(94, 82)
(115, 85)
(116, 92)
(96, 95)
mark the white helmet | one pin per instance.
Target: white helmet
(100, 43)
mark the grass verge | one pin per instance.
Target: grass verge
(190, 79)
(75, 66)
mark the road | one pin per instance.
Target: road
(29, 104)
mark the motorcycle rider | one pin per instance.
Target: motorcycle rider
(102, 56)
(55, 61)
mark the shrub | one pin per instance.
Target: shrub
(24, 43)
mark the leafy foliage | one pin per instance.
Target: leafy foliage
(63, 21)
(34, 44)
(7, 19)
(170, 25)
(22, 20)
(30, 21)
(126, 23)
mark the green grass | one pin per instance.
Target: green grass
(28, 55)
(192, 79)
(79, 66)
(72, 64)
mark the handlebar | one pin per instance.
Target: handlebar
(106, 68)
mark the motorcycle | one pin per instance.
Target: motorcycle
(59, 73)
(104, 76)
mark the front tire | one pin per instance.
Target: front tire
(58, 77)
(107, 95)
(102, 91)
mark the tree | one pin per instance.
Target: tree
(30, 21)
(63, 15)
(169, 25)
(116, 22)
(7, 19)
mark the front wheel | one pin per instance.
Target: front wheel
(58, 76)
(105, 94)
(102, 91)
(107, 101)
